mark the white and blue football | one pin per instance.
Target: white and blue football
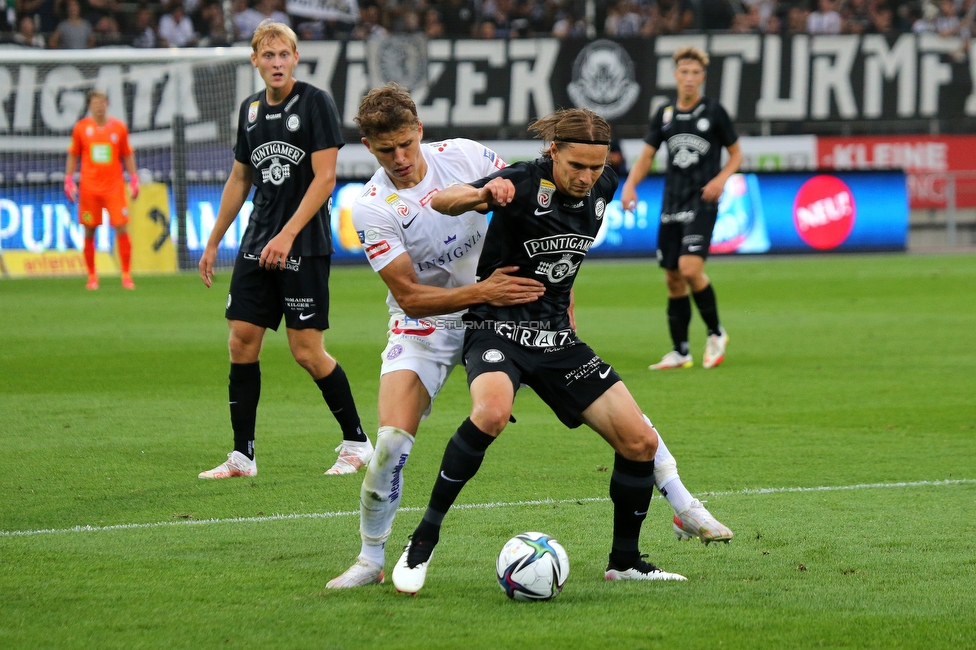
(532, 566)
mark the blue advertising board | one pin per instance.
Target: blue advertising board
(758, 213)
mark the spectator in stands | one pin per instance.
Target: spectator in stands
(923, 18)
(74, 32)
(459, 19)
(716, 15)
(623, 20)
(213, 27)
(856, 16)
(145, 29)
(369, 24)
(795, 21)
(43, 13)
(882, 20)
(176, 28)
(569, 24)
(486, 30)
(26, 34)
(947, 23)
(433, 25)
(826, 19)
(107, 31)
(249, 19)
(668, 17)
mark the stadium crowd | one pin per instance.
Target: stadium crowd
(77, 24)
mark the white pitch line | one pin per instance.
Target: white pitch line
(472, 506)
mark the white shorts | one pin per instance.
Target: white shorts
(429, 352)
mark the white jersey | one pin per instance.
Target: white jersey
(444, 249)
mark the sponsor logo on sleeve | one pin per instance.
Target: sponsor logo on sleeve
(252, 111)
(375, 250)
(600, 208)
(362, 236)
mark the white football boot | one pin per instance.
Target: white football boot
(695, 521)
(715, 349)
(363, 572)
(352, 456)
(672, 360)
(411, 569)
(640, 571)
(237, 464)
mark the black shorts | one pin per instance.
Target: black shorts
(568, 379)
(685, 232)
(300, 293)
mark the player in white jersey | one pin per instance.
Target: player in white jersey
(429, 261)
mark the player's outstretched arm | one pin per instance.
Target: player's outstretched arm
(459, 199)
(420, 300)
(628, 195)
(236, 189)
(712, 191)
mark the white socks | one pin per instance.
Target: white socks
(666, 476)
(381, 491)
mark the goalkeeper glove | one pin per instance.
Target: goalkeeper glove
(70, 189)
(134, 186)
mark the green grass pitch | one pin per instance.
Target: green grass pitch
(851, 379)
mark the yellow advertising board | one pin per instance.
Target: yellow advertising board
(149, 230)
(152, 247)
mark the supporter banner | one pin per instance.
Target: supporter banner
(501, 85)
(928, 161)
(344, 10)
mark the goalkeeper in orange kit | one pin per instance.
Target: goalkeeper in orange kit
(102, 144)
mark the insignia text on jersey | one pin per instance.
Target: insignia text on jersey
(570, 243)
(276, 148)
(451, 254)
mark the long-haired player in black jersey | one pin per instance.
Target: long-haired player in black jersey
(695, 129)
(288, 136)
(546, 215)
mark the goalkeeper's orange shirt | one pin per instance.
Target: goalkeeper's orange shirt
(101, 149)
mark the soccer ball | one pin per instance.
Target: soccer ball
(532, 566)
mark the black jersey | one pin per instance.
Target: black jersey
(277, 143)
(695, 139)
(547, 235)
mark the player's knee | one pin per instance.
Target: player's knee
(491, 417)
(641, 447)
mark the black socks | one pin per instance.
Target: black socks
(631, 485)
(705, 300)
(462, 458)
(679, 316)
(244, 392)
(335, 389)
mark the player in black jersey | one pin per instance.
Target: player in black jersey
(546, 215)
(695, 129)
(288, 136)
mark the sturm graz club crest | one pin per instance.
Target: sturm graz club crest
(398, 57)
(603, 80)
(281, 156)
(559, 270)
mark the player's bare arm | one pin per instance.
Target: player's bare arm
(323, 165)
(713, 189)
(417, 300)
(628, 196)
(236, 189)
(459, 199)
